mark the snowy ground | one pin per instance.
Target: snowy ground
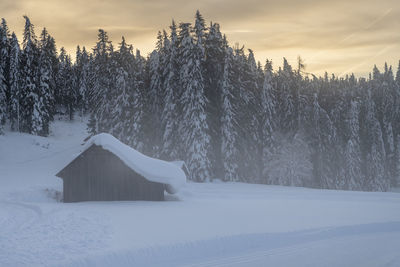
(205, 225)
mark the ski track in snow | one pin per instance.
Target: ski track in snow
(214, 224)
(245, 250)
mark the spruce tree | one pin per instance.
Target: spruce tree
(268, 120)
(14, 83)
(155, 93)
(215, 53)
(66, 85)
(171, 141)
(121, 96)
(84, 81)
(354, 175)
(288, 122)
(46, 95)
(291, 165)
(31, 103)
(323, 136)
(4, 66)
(397, 162)
(375, 176)
(194, 127)
(101, 83)
(229, 150)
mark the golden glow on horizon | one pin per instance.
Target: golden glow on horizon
(336, 36)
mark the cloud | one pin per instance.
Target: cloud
(327, 34)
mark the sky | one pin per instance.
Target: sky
(337, 36)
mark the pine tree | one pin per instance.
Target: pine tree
(15, 90)
(31, 104)
(229, 150)
(135, 130)
(121, 97)
(46, 95)
(199, 30)
(84, 79)
(156, 62)
(248, 108)
(268, 119)
(288, 122)
(215, 53)
(66, 85)
(100, 88)
(375, 177)
(397, 162)
(194, 118)
(4, 66)
(291, 164)
(324, 137)
(354, 176)
(171, 142)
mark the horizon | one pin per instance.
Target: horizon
(340, 43)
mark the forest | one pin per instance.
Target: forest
(199, 99)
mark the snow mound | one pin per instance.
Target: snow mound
(154, 170)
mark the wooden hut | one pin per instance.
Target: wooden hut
(109, 170)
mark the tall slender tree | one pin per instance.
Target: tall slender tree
(229, 150)
(14, 83)
(171, 148)
(268, 119)
(194, 127)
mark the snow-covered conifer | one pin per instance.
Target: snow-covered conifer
(268, 119)
(194, 127)
(14, 83)
(169, 118)
(229, 151)
(354, 175)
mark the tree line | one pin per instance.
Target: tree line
(198, 99)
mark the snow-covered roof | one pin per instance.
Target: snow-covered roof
(155, 170)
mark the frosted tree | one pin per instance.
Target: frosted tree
(229, 152)
(156, 74)
(248, 106)
(199, 30)
(396, 115)
(30, 106)
(66, 84)
(194, 127)
(14, 84)
(375, 175)
(354, 175)
(268, 120)
(155, 93)
(82, 73)
(169, 118)
(46, 94)
(127, 97)
(4, 61)
(137, 105)
(215, 47)
(291, 163)
(252, 123)
(323, 142)
(397, 161)
(3, 103)
(287, 99)
(121, 97)
(101, 82)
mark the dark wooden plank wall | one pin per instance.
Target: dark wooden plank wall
(99, 175)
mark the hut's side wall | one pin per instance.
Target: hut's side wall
(97, 174)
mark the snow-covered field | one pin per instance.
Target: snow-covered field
(217, 224)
